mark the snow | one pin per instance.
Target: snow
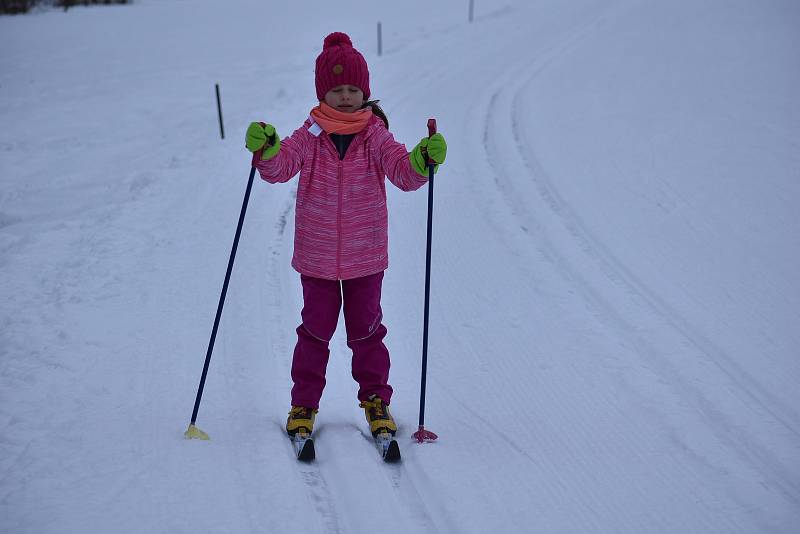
(615, 300)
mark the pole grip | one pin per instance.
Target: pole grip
(431, 131)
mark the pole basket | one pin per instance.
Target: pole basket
(422, 435)
(195, 433)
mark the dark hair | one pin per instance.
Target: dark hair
(376, 109)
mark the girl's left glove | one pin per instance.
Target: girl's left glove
(435, 147)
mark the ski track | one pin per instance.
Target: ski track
(620, 276)
(427, 512)
(318, 491)
(743, 385)
(749, 450)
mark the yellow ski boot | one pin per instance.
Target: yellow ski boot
(378, 416)
(301, 420)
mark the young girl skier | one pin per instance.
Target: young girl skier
(343, 153)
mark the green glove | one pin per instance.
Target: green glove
(435, 147)
(262, 136)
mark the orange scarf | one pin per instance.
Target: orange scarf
(334, 121)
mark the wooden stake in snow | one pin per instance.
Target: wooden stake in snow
(380, 40)
(471, 9)
(219, 113)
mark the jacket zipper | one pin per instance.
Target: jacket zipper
(332, 147)
(339, 225)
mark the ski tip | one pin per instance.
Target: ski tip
(392, 454)
(307, 452)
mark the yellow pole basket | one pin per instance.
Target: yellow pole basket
(195, 433)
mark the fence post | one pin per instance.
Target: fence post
(380, 39)
(471, 9)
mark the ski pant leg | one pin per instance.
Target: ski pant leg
(365, 333)
(322, 300)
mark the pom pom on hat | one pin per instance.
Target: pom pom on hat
(340, 64)
(337, 38)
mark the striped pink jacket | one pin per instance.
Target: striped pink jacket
(341, 221)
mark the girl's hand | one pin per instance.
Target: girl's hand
(262, 136)
(435, 147)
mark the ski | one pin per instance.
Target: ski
(303, 447)
(387, 447)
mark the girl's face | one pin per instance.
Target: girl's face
(345, 98)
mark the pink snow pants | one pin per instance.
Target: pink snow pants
(322, 300)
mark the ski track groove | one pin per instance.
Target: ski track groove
(578, 463)
(621, 277)
(750, 452)
(407, 497)
(319, 494)
(312, 475)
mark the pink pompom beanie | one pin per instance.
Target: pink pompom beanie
(340, 64)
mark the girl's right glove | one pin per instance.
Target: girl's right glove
(262, 136)
(435, 147)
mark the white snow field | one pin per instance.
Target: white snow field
(615, 293)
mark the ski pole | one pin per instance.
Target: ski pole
(422, 435)
(193, 432)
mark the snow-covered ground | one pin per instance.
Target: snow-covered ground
(615, 299)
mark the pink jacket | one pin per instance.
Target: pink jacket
(341, 221)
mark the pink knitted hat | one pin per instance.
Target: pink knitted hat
(340, 64)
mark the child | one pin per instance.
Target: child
(343, 152)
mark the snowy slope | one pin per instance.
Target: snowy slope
(614, 302)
